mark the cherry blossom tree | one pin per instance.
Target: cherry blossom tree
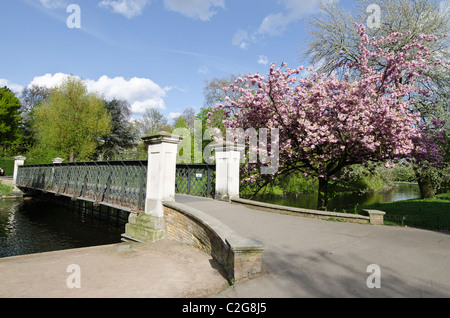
(326, 123)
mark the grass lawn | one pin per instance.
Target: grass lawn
(5, 190)
(427, 214)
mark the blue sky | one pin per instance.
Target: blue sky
(154, 53)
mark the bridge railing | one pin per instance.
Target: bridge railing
(115, 183)
(195, 179)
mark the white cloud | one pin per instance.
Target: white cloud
(277, 23)
(54, 4)
(128, 8)
(274, 24)
(203, 70)
(197, 9)
(48, 80)
(294, 10)
(173, 116)
(16, 88)
(262, 59)
(141, 93)
(241, 39)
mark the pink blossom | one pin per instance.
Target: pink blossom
(326, 124)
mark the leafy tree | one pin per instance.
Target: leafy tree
(151, 122)
(32, 96)
(71, 122)
(334, 43)
(10, 118)
(122, 135)
(30, 99)
(326, 123)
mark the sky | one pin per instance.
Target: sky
(152, 53)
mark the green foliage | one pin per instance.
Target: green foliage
(5, 190)
(121, 136)
(362, 179)
(292, 184)
(7, 164)
(186, 146)
(9, 120)
(70, 122)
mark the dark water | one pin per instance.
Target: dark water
(32, 226)
(346, 201)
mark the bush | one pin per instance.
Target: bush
(7, 164)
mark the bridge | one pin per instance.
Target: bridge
(146, 190)
(116, 184)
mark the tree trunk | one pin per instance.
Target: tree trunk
(322, 200)
(426, 188)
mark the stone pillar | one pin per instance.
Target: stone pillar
(18, 161)
(162, 160)
(228, 155)
(162, 164)
(376, 217)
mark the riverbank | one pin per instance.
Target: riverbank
(433, 214)
(8, 190)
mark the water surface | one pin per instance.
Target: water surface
(33, 226)
(345, 201)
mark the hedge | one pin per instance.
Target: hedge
(7, 164)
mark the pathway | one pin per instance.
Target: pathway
(315, 258)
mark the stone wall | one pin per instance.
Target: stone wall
(239, 256)
(373, 217)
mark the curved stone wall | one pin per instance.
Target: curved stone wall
(239, 256)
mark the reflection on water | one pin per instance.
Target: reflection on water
(345, 201)
(36, 226)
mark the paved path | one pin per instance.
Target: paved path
(164, 269)
(315, 258)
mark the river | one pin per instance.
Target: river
(345, 201)
(33, 226)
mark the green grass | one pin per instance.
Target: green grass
(5, 190)
(431, 214)
(443, 196)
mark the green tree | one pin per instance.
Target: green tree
(71, 122)
(122, 135)
(10, 118)
(30, 99)
(151, 122)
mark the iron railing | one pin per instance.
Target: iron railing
(114, 183)
(429, 222)
(197, 180)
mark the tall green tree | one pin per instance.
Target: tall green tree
(10, 118)
(122, 135)
(151, 122)
(71, 122)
